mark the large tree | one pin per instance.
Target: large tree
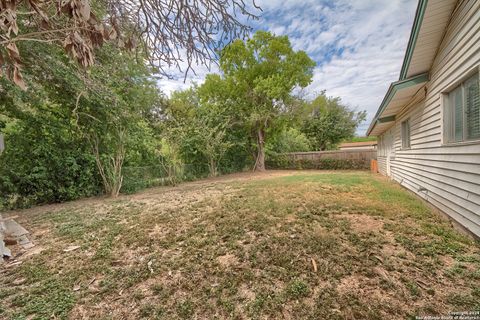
(170, 32)
(258, 77)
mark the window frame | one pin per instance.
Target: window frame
(406, 137)
(448, 119)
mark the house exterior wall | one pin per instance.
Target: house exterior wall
(446, 175)
(385, 152)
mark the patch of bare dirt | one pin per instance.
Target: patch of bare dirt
(290, 218)
(390, 250)
(228, 260)
(361, 286)
(157, 231)
(362, 222)
(246, 293)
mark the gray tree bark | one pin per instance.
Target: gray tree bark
(260, 161)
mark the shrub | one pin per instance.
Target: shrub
(43, 164)
(290, 140)
(284, 161)
(139, 178)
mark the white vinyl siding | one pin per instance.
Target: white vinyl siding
(445, 174)
(462, 112)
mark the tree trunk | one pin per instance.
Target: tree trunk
(212, 167)
(260, 161)
(111, 171)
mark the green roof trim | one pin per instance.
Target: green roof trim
(417, 23)
(392, 90)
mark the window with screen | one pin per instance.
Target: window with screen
(406, 134)
(462, 112)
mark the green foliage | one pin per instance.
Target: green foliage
(297, 289)
(185, 309)
(288, 140)
(330, 122)
(283, 161)
(51, 298)
(72, 132)
(204, 133)
(258, 78)
(45, 161)
(138, 178)
(79, 133)
(172, 161)
(111, 115)
(361, 139)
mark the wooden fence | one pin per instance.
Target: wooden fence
(337, 159)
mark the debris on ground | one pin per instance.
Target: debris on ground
(314, 264)
(71, 248)
(12, 233)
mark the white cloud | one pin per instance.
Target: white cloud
(178, 80)
(357, 44)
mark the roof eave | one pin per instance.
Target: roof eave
(417, 23)
(392, 90)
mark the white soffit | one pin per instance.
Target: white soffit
(428, 30)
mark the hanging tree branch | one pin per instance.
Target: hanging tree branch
(172, 33)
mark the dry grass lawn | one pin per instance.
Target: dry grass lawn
(283, 245)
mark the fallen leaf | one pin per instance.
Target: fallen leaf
(13, 52)
(20, 281)
(12, 217)
(13, 264)
(92, 281)
(422, 284)
(314, 265)
(149, 266)
(10, 241)
(85, 10)
(18, 78)
(71, 248)
(116, 263)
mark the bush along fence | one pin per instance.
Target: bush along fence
(326, 160)
(138, 178)
(134, 179)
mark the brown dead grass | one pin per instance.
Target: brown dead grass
(362, 222)
(241, 247)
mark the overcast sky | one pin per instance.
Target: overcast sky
(358, 45)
